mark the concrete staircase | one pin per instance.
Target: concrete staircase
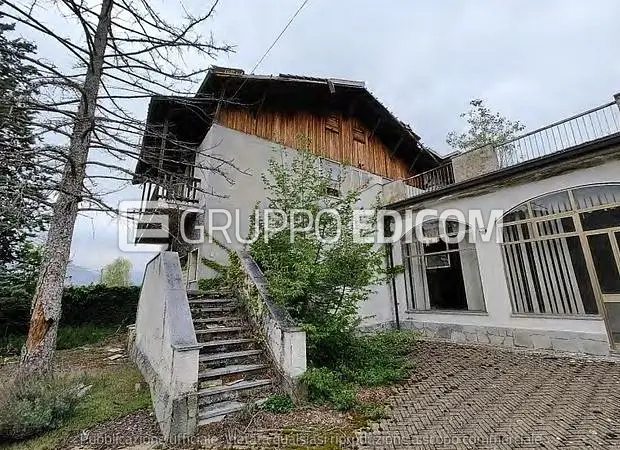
(233, 371)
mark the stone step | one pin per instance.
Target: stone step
(193, 294)
(225, 342)
(231, 391)
(216, 411)
(215, 330)
(228, 355)
(212, 301)
(230, 370)
(217, 319)
(215, 310)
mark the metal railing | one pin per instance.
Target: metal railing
(431, 180)
(582, 128)
(576, 130)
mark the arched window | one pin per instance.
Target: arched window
(562, 251)
(443, 275)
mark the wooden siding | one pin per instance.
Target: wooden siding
(353, 145)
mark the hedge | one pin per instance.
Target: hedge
(94, 304)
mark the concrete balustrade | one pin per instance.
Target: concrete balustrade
(164, 347)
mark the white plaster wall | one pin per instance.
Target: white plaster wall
(499, 310)
(251, 155)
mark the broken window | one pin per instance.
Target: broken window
(192, 266)
(333, 172)
(442, 275)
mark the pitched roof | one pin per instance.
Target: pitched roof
(288, 92)
(299, 91)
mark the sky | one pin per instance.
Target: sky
(536, 62)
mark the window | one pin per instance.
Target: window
(442, 275)
(332, 123)
(359, 134)
(192, 265)
(333, 172)
(548, 242)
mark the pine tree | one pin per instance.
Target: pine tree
(22, 177)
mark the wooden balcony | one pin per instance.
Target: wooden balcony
(171, 196)
(172, 191)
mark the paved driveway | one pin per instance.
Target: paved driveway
(478, 397)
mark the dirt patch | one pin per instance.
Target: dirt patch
(91, 358)
(135, 430)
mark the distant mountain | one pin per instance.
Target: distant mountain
(81, 276)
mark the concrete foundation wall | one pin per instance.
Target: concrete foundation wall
(565, 341)
(582, 334)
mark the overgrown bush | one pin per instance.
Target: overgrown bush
(380, 358)
(326, 386)
(31, 406)
(279, 404)
(372, 360)
(99, 304)
(319, 277)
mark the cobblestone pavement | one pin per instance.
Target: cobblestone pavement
(463, 397)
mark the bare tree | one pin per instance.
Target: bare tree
(127, 50)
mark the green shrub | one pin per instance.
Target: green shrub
(380, 358)
(95, 304)
(31, 406)
(99, 304)
(326, 386)
(279, 404)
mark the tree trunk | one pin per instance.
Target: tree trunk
(38, 351)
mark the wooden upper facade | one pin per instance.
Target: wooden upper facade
(336, 119)
(333, 136)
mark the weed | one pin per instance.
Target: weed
(279, 404)
(326, 386)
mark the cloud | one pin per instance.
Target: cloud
(536, 62)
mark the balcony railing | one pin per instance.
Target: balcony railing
(585, 127)
(588, 126)
(173, 189)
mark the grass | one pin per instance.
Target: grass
(112, 395)
(68, 337)
(377, 359)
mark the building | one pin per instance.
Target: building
(552, 280)
(552, 283)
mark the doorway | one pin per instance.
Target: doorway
(605, 250)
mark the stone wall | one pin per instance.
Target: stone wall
(474, 163)
(285, 342)
(565, 341)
